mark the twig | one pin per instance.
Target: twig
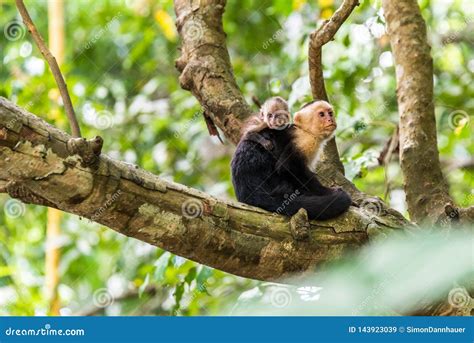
(211, 126)
(318, 38)
(392, 147)
(389, 148)
(256, 101)
(75, 130)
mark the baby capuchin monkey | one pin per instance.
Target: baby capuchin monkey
(274, 114)
(267, 179)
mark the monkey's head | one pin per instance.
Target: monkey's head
(317, 117)
(275, 114)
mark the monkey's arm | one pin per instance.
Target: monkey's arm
(258, 138)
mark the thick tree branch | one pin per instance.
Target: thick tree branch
(53, 65)
(426, 190)
(205, 64)
(36, 166)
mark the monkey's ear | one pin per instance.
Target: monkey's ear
(297, 118)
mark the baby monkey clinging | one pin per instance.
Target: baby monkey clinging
(274, 114)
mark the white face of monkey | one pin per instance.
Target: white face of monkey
(317, 118)
(275, 113)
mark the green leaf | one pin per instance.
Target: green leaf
(144, 285)
(161, 264)
(191, 275)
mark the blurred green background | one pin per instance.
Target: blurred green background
(119, 66)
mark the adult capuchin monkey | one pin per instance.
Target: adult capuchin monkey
(280, 179)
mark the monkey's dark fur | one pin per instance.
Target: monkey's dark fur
(278, 180)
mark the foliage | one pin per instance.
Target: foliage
(119, 67)
(397, 275)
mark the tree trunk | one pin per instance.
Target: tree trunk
(426, 190)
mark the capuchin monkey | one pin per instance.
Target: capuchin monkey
(280, 180)
(274, 115)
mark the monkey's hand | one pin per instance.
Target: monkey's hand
(268, 145)
(257, 138)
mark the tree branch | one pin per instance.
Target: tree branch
(426, 190)
(330, 167)
(205, 64)
(36, 166)
(53, 65)
(318, 38)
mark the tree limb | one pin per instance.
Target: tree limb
(330, 168)
(53, 65)
(205, 64)
(426, 190)
(318, 38)
(36, 166)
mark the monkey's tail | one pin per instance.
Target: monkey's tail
(318, 206)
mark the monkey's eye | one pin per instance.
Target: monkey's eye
(270, 115)
(330, 114)
(321, 114)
